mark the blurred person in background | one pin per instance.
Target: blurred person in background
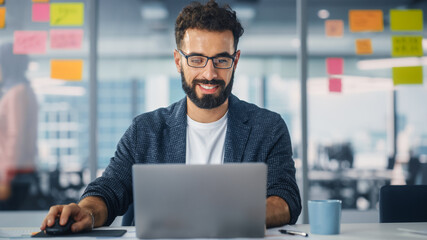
(18, 130)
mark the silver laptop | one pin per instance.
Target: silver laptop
(200, 201)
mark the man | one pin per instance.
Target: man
(209, 126)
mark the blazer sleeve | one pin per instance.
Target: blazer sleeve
(281, 170)
(115, 184)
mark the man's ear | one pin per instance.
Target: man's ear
(236, 59)
(177, 58)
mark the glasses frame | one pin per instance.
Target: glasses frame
(233, 57)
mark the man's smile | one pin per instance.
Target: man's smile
(208, 88)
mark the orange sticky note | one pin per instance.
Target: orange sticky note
(335, 85)
(1, 1)
(366, 20)
(363, 46)
(2, 17)
(71, 70)
(334, 28)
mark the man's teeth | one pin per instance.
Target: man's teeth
(207, 87)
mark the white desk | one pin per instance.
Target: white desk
(358, 231)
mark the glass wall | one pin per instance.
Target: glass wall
(363, 129)
(43, 109)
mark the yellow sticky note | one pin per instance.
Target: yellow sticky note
(71, 70)
(366, 20)
(363, 46)
(2, 17)
(66, 14)
(408, 75)
(334, 28)
(406, 20)
(406, 46)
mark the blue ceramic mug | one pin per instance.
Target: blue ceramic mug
(324, 216)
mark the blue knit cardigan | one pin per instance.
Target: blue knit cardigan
(253, 135)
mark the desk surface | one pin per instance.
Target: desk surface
(358, 231)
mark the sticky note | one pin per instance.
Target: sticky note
(405, 46)
(1, 1)
(71, 70)
(406, 20)
(334, 65)
(29, 42)
(363, 46)
(334, 28)
(41, 12)
(66, 14)
(2, 17)
(335, 85)
(66, 38)
(366, 20)
(408, 75)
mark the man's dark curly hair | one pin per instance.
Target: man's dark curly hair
(209, 17)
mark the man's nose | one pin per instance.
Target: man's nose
(210, 72)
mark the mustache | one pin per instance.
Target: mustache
(213, 82)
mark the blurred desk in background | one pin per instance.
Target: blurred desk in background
(357, 188)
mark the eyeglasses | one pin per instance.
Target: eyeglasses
(200, 61)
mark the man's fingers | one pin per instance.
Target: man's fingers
(70, 210)
(49, 220)
(83, 220)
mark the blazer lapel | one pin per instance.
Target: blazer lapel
(237, 132)
(175, 134)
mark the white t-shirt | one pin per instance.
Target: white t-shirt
(205, 141)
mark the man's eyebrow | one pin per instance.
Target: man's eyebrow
(222, 54)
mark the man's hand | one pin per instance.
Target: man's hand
(82, 217)
(277, 212)
(89, 213)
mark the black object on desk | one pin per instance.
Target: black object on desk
(58, 229)
(93, 233)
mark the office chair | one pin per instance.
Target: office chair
(128, 217)
(406, 203)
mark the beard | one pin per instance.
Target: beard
(207, 101)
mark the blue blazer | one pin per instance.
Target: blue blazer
(253, 135)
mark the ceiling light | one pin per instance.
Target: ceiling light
(391, 62)
(244, 12)
(154, 11)
(295, 43)
(323, 13)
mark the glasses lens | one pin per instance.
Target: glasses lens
(223, 62)
(197, 61)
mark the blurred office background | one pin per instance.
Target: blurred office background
(370, 134)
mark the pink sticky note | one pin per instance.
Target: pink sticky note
(29, 42)
(335, 85)
(66, 38)
(334, 65)
(41, 12)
